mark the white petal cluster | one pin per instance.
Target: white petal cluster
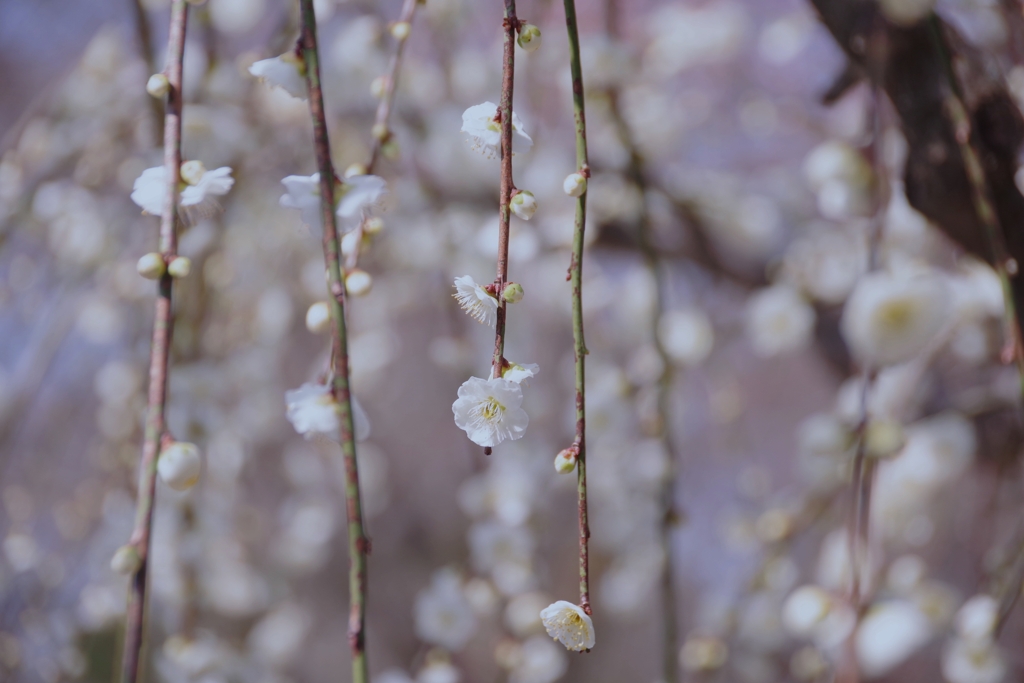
(973, 656)
(481, 124)
(303, 193)
(201, 186)
(477, 301)
(521, 374)
(889, 634)
(778, 320)
(891, 317)
(313, 411)
(842, 179)
(489, 411)
(568, 624)
(286, 71)
(442, 614)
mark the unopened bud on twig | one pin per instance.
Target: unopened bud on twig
(126, 560)
(379, 87)
(358, 282)
(575, 184)
(513, 293)
(179, 465)
(400, 30)
(565, 461)
(523, 204)
(318, 317)
(180, 266)
(529, 37)
(380, 131)
(151, 266)
(158, 85)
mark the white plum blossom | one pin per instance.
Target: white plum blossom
(312, 410)
(521, 374)
(179, 465)
(200, 187)
(778, 320)
(489, 411)
(481, 124)
(890, 633)
(524, 204)
(539, 661)
(568, 624)
(477, 301)
(890, 318)
(443, 615)
(287, 72)
(811, 612)
(354, 196)
(976, 619)
(686, 335)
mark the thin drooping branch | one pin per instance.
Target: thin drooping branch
(160, 350)
(358, 544)
(510, 25)
(576, 279)
(382, 131)
(381, 125)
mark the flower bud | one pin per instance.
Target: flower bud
(380, 131)
(400, 30)
(565, 461)
(318, 317)
(350, 243)
(523, 204)
(373, 226)
(179, 465)
(180, 266)
(151, 266)
(192, 171)
(126, 560)
(379, 87)
(529, 37)
(358, 282)
(354, 170)
(884, 438)
(390, 148)
(513, 293)
(575, 184)
(158, 85)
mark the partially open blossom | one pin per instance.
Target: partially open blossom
(575, 184)
(475, 300)
(524, 204)
(151, 266)
(287, 72)
(358, 194)
(318, 317)
(568, 624)
(200, 186)
(490, 411)
(304, 195)
(312, 410)
(890, 318)
(352, 197)
(158, 85)
(179, 465)
(513, 293)
(521, 374)
(529, 37)
(481, 124)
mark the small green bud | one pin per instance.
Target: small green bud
(126, 560)
(179, 465)
(380, 131)
(151, 266)
(565, 461)
(180, 266)
(513, 293)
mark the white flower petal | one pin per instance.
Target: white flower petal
(284, 72)
(489, 411)
(568, 624)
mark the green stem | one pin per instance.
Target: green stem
(576, 279)
(358, 543)
(159, 351)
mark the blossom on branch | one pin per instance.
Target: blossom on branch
(568, 624)
(489, 411)
(198, 186)
(481, 123)
(481, 305)
(312, 410)
(287, 72)
(352, 197)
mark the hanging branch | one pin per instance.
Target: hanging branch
(159, 352)
(510, 25)
(358, 543)
(575, 278)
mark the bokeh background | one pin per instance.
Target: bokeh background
(711, 224)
